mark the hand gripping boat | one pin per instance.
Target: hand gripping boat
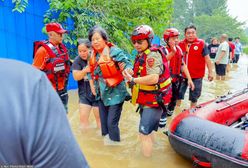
(215, 133)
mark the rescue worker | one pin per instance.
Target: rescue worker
(110, 87)
(196, 57)
(51, 56)
(176, 65)
(150, 84)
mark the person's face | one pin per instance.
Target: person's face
(236, 40)
(140, 45)
(190, 35)
(57, 38)
(83, 51)
(214, 42)
(222, 39)
(173, 41)
(98, 43)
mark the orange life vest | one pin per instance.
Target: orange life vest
(57, 66)
(110, 70)
(149, 95)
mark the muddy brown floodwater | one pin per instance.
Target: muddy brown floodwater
(128, 154)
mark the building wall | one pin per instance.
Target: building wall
(18, 31)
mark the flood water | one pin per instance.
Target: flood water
(128, 154)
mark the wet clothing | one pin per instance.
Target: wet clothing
(193, 95)
(194, 57)
(220, 69)
(150, 113)
(175, 94)
(84, 91)
(111, 98)
(110, 116)
(34, 126)
(149, 120)
(213, 48)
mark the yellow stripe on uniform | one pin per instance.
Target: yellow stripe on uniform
(154, 87)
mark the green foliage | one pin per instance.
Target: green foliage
(186, 11)
(210, 17)
(214, 26)
(245, 50)
(20, 5)
(118, 17)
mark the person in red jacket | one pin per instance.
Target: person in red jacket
(232, 46)
(196, 57)
(51, 57)
(177, 66)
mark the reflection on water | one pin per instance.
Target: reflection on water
(128, 154)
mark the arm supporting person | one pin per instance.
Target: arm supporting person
(80, 74)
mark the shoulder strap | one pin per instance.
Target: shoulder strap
(53, 48)
(49, 47)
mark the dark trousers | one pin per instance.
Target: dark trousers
(110, 116)
(175, 93)
(64, 98)
(236, 58)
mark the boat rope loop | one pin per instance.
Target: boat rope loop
(231, 95)
(197, 162)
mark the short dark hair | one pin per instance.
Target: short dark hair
(98, 29)
(189, 27)
(237, 38)
(230, 39)
(85, 42)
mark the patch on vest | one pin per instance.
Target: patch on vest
(195, 48)
(150, 62)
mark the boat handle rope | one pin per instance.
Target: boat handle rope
(197, 162)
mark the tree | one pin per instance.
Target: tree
(214, 26)
(208, 7)
(210, 17)
(117, 16)
(20, 5)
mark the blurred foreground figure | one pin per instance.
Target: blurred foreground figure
(34, 127)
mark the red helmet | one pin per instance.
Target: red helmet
(171, 32)
(142, 32)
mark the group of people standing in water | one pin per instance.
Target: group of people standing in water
(156, 81)
(224, 52)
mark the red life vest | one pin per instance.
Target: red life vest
(148, 94)
(193, 57)
(57, 66)
(176, 63)
(110, 70)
